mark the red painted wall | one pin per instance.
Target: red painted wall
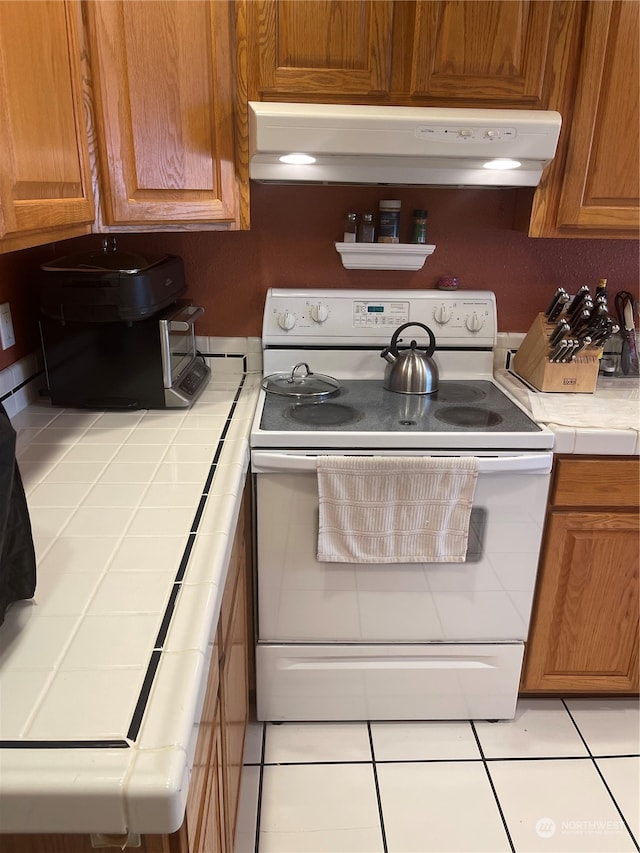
(291, 244)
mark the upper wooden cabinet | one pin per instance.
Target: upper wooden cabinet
(327, 48)
(495, 51)
(45, 184)
(593, 187)
(164, 91)
(425, 52)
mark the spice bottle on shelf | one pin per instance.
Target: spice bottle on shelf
(350, 227)
(366, 230)
(419, 226)
(389, 221)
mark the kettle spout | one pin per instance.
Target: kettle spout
(388, 355)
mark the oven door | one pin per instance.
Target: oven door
(486, 599)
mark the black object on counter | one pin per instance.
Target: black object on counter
(110, 286)
(17, 556)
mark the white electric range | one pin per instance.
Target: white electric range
(340, 641)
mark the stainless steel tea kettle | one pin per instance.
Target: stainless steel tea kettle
(412, 370)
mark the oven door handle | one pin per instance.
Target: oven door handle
(267, 462)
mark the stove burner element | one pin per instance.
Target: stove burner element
(466, 416)
(323, 414)
(458, 392)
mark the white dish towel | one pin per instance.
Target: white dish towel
(395, 509)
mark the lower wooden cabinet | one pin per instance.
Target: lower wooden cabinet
(584, 629)
(234, 700)
(204, 818)
(212, 806)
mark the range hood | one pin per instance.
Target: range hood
(402, 146)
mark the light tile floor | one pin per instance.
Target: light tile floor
(564, 775)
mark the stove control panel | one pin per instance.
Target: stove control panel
(379, 314)
(297, 317)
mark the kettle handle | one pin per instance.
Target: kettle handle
(393, 346)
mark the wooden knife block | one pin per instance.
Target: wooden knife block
(531, 361)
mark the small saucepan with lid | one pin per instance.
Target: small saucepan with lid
(299, 385)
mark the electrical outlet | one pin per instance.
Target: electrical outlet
(7, 336)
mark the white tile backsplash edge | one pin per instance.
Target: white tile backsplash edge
(506, 343)
(227, 354)
(22, 381)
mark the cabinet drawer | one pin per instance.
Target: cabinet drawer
(597, 482)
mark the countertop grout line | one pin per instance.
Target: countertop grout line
(141, 706)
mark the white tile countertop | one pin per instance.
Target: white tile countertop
(606, 422)
(102, 674)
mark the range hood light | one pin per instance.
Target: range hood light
(502, 163)
(297, 159)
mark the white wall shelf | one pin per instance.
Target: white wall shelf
(384, 256)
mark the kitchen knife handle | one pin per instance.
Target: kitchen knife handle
(584, 342)
(560, 304)
(557, 352)
(559, 332)
(554, 300)
(578, 299)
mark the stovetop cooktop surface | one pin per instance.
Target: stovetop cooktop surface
(460, 406)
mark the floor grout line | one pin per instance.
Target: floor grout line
(256, 843)
(600, 774)
(377, 784)
(493, 790)
(495, 759)
(615, 803)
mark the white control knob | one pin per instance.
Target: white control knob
(286, 320)
(319, 312)
(442, 314)
(474, 322)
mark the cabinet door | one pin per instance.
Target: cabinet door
(584, 632)
(45, 180)
(320, 48)
(204, 816)
(235, 705)
(601, 189)
(592, 187)
(164, 110)
(213, 838)
(491, 50)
